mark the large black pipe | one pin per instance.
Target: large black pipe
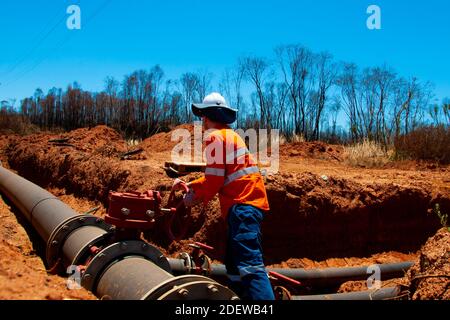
(378, 294)
(42, 209)
(54, 221)
(119, 270)
(314, 277)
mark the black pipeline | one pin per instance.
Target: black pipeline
(130, 269)
(326, 277)
(388, 293)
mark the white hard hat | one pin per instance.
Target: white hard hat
(215, 107)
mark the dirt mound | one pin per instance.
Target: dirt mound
(429, 278)
(90, 172)
(162, 142)
(313, 150)
(98, 140)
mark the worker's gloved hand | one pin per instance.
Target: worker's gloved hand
(179, 184)
(189, 199)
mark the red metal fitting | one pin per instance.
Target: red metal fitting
(133, 210)
(204, 246)
(278, 276)
(94, 250)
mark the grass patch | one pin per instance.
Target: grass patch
(366, 154)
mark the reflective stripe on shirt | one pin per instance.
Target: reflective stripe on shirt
(240, 173)
(234, 155)
(215, 172)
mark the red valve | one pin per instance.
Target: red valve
(133, 210)
(204, 246)
(284, 278)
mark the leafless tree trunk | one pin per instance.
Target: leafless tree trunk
(257, 71)
(189, 86)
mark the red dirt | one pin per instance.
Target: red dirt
(4, 142)
(87, 168)
(322, 210)
(378, 258)
(429, 278)
(100, 140)
(162, 142)
(312, 150)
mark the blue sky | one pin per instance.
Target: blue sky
(37, 51)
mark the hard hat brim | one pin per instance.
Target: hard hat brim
(223, 114)
(198, 107)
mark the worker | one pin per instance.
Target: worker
(232, 173)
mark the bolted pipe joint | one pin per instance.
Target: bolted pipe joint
(74, 237)
(123, 270)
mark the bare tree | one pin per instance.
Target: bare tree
(404, 92)
(446, 110)
(111, 89)
(335, 108)
(204, 83)
(257, 70)
(435, 113)
(296, 64)
(230, 85)
(297, 97)
(326, 73)
(189, 86)
(349, 87)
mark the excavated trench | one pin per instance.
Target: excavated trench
(319, 218)
(314, 217)
(311, 216)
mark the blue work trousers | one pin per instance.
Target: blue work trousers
(244, 258)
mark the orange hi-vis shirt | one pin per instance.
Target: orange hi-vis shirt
(230, 171)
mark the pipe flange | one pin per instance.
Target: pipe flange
(188, 261)
(200, 290)
(60, 233)
(282, 293)
(172, 284)
(115, 252)
(80, 257)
